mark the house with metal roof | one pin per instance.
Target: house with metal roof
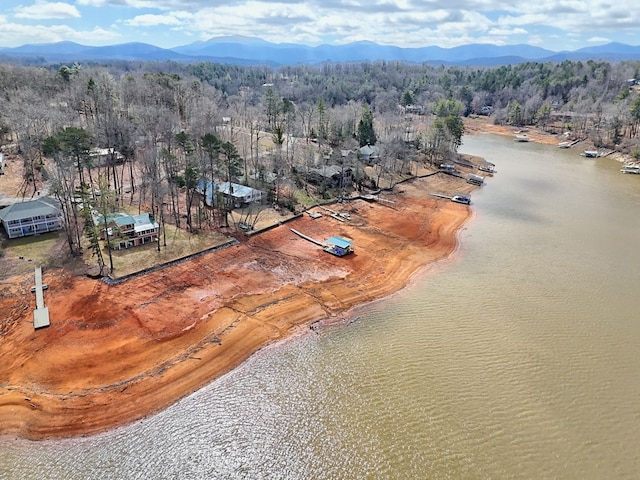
(32, 217)
(235, 193)
(126, 230)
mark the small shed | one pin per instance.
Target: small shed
(338, 246)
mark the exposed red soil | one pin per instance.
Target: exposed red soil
(114, 354)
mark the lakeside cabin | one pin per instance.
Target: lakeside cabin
(234, 193)
(125, 231)
(338, 246)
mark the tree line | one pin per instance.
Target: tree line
(168, 126)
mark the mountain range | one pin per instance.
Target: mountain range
(254, 51)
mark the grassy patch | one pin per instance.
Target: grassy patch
(180, 243)
(21, 255)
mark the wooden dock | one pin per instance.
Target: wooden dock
(41, 313)
(441, 195)
(308, 238)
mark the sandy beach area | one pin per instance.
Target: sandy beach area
(115, 354)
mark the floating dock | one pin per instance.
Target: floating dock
(41, 313)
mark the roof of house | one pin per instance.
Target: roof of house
(234, 189)
(339, 242)
(31, 208)
(140, 222)
(368, 150)
(226, 188)
(328, 171)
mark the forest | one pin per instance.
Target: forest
(166, 127)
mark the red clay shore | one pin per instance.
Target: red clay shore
(115, 354)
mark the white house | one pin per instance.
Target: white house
(32, 217)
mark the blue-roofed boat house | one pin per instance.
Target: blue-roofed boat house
(338, 246)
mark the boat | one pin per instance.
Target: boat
(475, 179)
(590, 153)
(564, 144)
(461, 198)
(522, 138)
(631, 168)
(487, 167)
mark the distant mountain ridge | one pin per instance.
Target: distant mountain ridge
(255, 51)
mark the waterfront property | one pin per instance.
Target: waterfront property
(333, 176)
(369, 154)
(126, 230)
(234, 193)
(32, 217)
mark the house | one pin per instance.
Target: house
(415, 109)
(236, 194)
(127, 230)
(332, 176)
(368, 153)
(32, 217)
(105, 156)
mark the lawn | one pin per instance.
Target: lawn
(21, 255)
(180, 243)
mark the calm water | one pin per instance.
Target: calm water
(517, 359)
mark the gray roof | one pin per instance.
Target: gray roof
(368, 150)
(140, 222)
(31, 208)
(234, 189)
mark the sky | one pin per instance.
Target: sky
(553, 24)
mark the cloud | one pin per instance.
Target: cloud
(46, 10)
(19, 34)
(409, 23)
(599, 40)
(150, 20)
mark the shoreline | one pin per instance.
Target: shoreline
(117, 354)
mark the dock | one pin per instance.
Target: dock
(308, 238)
(441, 195)
(41, 313)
